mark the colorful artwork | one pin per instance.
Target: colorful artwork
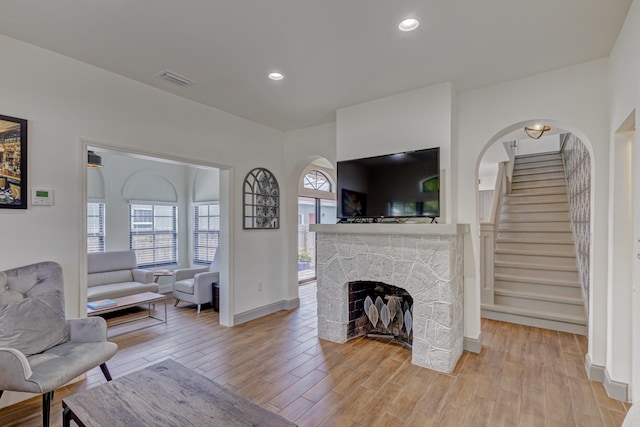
(13, 163)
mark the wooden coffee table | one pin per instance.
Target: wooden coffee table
(146, 298)
(165, 394)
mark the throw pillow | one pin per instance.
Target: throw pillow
(34, 324)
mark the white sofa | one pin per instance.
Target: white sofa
(115, 274)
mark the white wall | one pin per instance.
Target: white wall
(141, 180)
(413, 120)
(72, 103)
(545, 144)
(488, 169)
(301, 147)
(574, 97)
(624, 305)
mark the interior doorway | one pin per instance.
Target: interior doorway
(316, 205)
(167, 180)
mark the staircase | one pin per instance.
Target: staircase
(536, 279)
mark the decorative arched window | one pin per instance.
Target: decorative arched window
(261, 205)
(316, 180)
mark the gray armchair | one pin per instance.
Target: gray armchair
(194, 285)
(41, 350)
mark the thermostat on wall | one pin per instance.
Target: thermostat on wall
(41, 197)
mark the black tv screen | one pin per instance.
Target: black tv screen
(394, 185)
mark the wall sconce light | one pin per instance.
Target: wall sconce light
(537, 130)
(94, 160)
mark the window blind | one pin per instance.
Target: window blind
(95, 227)
(206, 233)
(153, 234)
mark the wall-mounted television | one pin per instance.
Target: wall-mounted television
(391, 186)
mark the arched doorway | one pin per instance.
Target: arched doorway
(535, 222)
(316, 205)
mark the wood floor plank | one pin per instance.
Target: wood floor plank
(524, 376)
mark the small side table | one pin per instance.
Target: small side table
(215, 296)
(159, 273)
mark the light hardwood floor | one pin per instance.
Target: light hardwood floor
(524, 376)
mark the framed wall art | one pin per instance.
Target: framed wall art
(261, 200)
(353, 203)
(13, 163)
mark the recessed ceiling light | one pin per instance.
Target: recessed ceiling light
(276, 76)
(408, 24)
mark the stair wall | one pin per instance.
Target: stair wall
(577, 165)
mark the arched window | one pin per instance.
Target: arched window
(316, 180)
(261, 200)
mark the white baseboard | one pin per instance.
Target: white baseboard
(265, 310)
(594, 372)
(474, 345)
(615, 390)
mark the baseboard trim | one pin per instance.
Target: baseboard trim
(594, 372)
(265, 310)
(616, 390)
(474, 345)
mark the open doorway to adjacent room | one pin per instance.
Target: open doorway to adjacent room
(316, 205)
(169, 211)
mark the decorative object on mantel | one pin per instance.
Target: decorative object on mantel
(261, 200)
(13, 163)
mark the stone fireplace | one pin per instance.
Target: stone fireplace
(423, 259)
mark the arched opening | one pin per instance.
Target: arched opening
(316, 205)
(535, 218)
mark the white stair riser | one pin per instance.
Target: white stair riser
(547, 237)
(539, 305)
(559, 291)
(564, 226)
(536, 208)
(543, 183)
(522, 165)
(534, 177)
(536, 199)
(540, 190)
(538, 171)
(550, 247)
(551, 258)
(534, 273)
(534, 216)
(573, 328)
(537, 158)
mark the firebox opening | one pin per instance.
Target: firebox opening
(380, 310)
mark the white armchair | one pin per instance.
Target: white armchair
(195, 285)
(40, 349)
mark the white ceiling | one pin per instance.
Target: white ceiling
(334, 53)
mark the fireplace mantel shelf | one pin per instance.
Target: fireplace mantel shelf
(433, 229)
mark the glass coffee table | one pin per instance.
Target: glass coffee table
(146, 298)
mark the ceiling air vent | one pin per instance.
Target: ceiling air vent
(172, 77)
